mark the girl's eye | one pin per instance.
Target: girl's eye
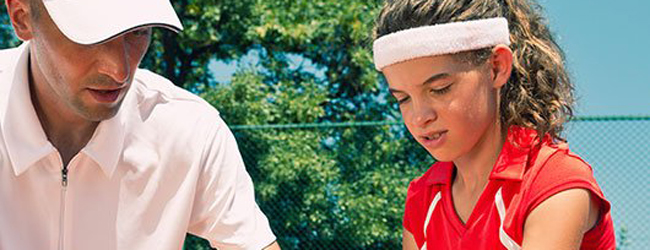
(441, 91)
(403, 100)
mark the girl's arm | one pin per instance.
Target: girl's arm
(408, 241)
(560, 221)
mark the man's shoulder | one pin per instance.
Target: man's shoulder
(168, 113)
(9, 56)
(152, 82)
(8, 52)
(151, 87)
(160, 102)
(8, 61)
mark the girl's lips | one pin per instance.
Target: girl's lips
(105, 96)
(434, 140)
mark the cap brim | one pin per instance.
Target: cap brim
(93, 22)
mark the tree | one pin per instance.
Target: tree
(335, 35)
(343, 187)
(213, 30)
(7, 37)
(322, 188)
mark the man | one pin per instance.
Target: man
(97, 154)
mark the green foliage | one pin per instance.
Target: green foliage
(341, 187)
(195, 243)
(348, 193)
(213, 30)
(333, 34)
(7, 37)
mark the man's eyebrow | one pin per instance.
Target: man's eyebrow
(431, 79)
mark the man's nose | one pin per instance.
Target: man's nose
(114, 60)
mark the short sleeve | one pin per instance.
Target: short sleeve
(224, 210)
(563, 171)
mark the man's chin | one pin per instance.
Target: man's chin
(97, 112)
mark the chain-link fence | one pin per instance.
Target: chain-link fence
(618, 149)
(342, 186)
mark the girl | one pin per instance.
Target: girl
(482, 86)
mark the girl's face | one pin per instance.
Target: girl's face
(449, 106)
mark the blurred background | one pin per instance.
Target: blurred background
(324, 142)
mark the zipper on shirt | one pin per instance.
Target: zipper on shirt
(64, 186)
(64, 177)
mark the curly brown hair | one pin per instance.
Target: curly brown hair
(539, 93)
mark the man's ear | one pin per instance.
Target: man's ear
(19, 12)
(501, 65)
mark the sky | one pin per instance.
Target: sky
(608, 53)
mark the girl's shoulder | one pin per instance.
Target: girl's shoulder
(555, 169)
(555, 164)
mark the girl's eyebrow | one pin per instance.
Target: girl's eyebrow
(431, 79)
(435, 77)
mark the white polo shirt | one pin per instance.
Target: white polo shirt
(165, 165)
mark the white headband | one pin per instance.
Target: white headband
(439, 39)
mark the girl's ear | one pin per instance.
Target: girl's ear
(19, 12)
(501, 65)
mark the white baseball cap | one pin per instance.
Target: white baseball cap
(97, 21)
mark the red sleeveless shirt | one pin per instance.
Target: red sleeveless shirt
(525, 174)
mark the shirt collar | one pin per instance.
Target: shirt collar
(511, 162)
(24, 136)
(440, 173)
(105, 147)
(25, 139)
(514, 155)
